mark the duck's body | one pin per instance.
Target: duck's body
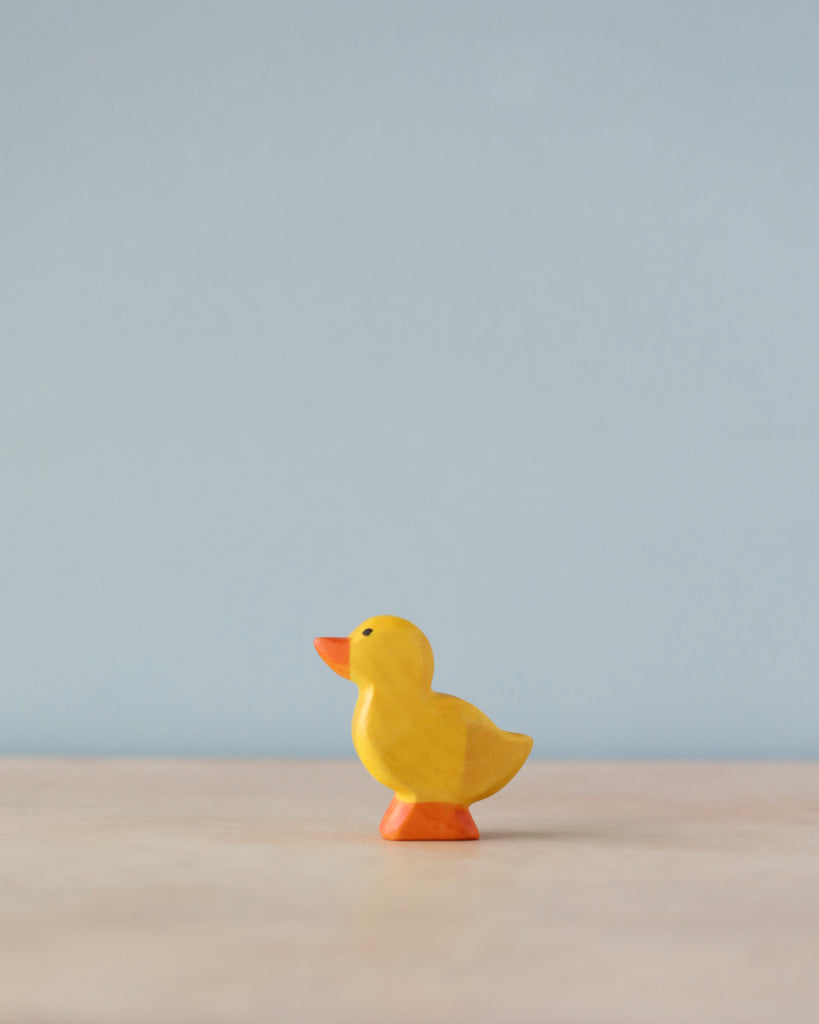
(435, 748)
(438, 753)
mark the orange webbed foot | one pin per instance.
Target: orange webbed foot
(427, 820)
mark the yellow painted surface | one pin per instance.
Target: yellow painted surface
(426, 746)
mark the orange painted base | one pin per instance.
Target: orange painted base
(427, 821)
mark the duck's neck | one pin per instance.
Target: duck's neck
(387, 697)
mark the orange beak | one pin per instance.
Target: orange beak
(335, 650)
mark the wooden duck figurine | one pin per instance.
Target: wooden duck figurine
(438, 753)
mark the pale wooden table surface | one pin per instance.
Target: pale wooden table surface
(145, 892)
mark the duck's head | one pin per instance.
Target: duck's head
(383, 652)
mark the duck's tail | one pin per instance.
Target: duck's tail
(508, 754)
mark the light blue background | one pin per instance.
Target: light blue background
(502, 317)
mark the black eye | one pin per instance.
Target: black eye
(366, 632)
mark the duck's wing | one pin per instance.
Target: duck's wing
(491, 756)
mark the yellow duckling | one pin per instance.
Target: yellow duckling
(438, 753)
